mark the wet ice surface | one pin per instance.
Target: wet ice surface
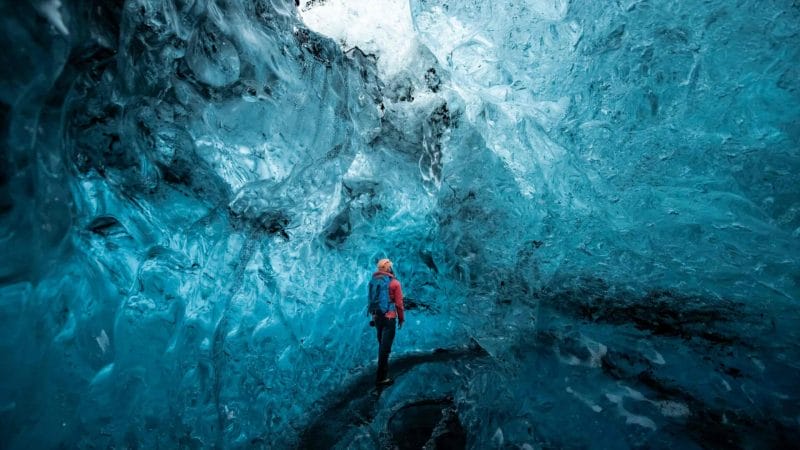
(612, 382)
(593, 209)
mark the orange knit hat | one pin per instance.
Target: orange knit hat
(384, 265)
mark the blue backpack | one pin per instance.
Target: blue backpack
(378, 301)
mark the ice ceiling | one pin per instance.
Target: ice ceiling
(593, 206)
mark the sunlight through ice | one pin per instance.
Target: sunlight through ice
(381, 27)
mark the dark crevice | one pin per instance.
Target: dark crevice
(428, 423)
(358, 400)
(662, 313)
(106, 226)
(339, 229)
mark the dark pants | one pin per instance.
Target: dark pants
(386, 329)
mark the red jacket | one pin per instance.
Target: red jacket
(395, 295)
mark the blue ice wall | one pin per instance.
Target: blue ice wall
(593, 207)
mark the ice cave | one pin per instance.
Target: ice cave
(593, 207)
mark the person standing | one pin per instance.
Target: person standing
(385, 304)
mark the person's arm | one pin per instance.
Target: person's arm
(396, 292)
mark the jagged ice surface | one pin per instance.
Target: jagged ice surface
(593, 208)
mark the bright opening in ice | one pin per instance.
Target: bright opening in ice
(380, 27)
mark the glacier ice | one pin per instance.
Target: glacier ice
(593, 207)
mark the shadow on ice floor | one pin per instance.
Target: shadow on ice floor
(596, 371)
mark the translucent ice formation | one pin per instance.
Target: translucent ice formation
(594, 208)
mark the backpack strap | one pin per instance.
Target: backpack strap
(390, 304)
